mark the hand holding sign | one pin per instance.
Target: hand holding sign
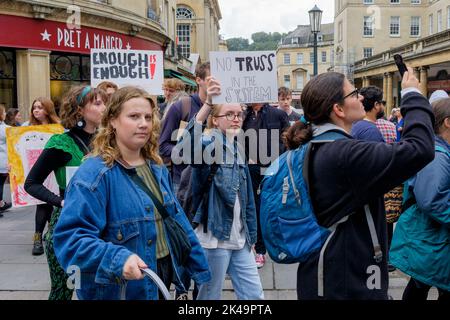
(213, 89)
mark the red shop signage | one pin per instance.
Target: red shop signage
(20, 32)
(439, 85)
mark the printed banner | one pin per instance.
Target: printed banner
(25, 145)
(139, 68)
(245, 76)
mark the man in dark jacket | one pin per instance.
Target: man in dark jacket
(182, 111)
(265, 121)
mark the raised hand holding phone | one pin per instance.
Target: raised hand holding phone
(400, 64)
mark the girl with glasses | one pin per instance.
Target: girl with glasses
(226, 221)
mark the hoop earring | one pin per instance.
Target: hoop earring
(81, 123)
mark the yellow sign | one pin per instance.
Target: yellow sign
(25, 145)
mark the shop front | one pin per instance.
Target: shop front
(45, 58)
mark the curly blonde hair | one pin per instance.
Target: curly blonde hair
(105, 144)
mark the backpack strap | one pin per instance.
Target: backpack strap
(291, 175)
(378, 254)
(441, 149)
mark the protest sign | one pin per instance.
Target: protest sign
(245, 76)
(25, 145)
(141, 68)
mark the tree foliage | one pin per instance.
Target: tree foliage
(261, 41)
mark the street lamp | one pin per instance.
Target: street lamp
(315, 18)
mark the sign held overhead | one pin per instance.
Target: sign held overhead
(139, 68)
(245, 76)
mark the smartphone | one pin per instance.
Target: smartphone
(400, 64)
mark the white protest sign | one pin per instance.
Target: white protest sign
(139, 68)
(245, 76)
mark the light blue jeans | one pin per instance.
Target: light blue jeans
(240, 266)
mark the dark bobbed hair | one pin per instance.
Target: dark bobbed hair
(318, 98)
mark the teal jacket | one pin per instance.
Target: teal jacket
(421, 242)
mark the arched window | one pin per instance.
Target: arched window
(184, 31)
(184, 13)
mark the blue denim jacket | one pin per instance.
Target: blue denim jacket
(231, 179)
(105, 219)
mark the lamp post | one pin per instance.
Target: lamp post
(315, 18)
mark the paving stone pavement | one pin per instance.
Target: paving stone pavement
(25, 277)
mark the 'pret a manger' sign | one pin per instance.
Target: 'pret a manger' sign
(21, 32)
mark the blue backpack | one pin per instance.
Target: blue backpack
(288, 224)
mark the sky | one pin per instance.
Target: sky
(241, 18)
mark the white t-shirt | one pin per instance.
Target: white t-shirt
(237, 235)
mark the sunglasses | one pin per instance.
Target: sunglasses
(353, 93)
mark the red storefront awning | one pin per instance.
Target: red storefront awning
(28, 33)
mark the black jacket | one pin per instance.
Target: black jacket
(272, 119)
(344, 176)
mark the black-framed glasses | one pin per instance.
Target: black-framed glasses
(354, 92)
(231, 116)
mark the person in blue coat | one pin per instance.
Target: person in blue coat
(421, 242)
(110, 228)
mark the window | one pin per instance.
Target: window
(184, 39)
(367, 1)
(299, 58)
(395, 1)
(67, 70)
(448, 17)
(300, 82)
(324, 56)
(184, 31)
(415, 1)
(287, 81)
(430, 24)
(415, 26)
(340, 30)
(184, 13)
(368, 52)
(287, 58)
(8, 84)
(439, 21)
(394, 28)
(311, 57)
(368, 26)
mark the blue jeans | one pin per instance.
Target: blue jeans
(240, 266)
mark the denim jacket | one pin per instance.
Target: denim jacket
(106, 218)
(231, 179)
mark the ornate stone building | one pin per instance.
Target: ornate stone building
(198, 27)
(295, 57)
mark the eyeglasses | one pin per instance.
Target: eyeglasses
(353, 93)
(231, 116)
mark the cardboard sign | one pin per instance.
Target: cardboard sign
(140, 68)
(25, 145)
(245, 76)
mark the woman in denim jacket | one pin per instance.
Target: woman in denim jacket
(109, 227)
(421, 241)
(230, 230)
